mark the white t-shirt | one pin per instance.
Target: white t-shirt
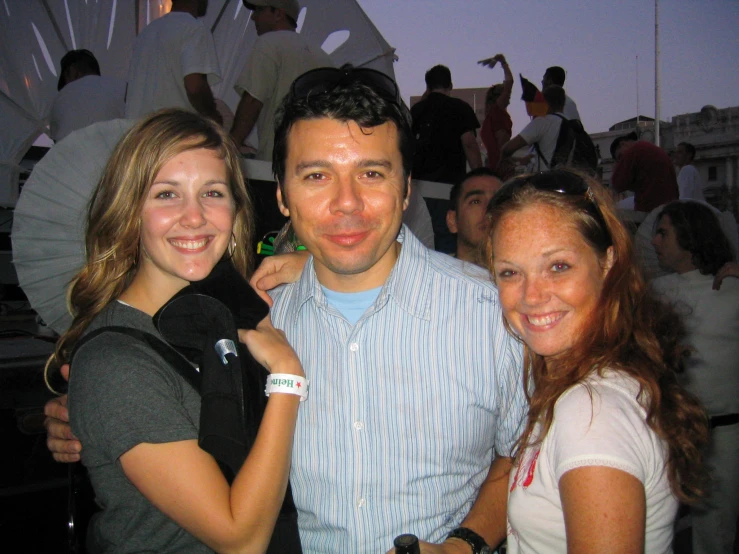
(689, 183)
(85, 101)
(544, 131)
(712, 321)
(608, 430)
(168, 49)
(570, 109)
(275, 61)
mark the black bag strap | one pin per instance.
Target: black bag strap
(540, 155)
(563, 127)
(566, 131)
(169, 354)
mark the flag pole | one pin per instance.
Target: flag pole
(637, 93)
(656, 73)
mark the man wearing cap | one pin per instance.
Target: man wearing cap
(645, 169)
(174, 63)
(85, 97)
(278, 56)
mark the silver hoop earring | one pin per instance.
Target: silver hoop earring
(231, 247)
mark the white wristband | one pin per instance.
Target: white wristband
(287, 383)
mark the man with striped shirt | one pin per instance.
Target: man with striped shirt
(415, 384)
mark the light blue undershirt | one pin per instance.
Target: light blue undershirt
(351, 305)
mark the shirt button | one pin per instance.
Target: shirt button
(358, 425)
(354, 347)
(361, 502)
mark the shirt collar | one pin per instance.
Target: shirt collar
(408, 284)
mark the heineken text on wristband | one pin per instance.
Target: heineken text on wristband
(286, 383)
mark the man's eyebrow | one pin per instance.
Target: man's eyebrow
(473, 192)
(375, 163)
(311, 164)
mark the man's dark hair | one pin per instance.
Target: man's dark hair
(83, 60)
(456, 192)
(556, 74)
(555, 97)
(438, 77)
(618, 140)
(699, 232)
(689, 148)
(353, 101)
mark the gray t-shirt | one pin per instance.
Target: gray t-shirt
(121, 394)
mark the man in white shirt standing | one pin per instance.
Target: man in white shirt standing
(688, 178)
(690, 242)
(85, 97)
(542, 132)
(278, 57)
(174, 63)
(555, 75)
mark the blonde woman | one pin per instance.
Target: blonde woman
(170, 205)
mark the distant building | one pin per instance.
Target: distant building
(714, 133)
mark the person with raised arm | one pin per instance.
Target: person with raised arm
(497, 128)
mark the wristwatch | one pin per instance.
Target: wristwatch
(478, 544)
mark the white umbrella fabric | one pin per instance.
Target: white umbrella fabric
(49, 220)
(35, 34)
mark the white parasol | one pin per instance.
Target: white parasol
(36, 34)
(49, 220)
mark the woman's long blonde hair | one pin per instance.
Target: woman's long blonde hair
(113, 228)
(629, 329)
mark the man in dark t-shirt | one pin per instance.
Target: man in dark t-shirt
(445, 129)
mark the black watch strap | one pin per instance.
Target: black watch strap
(478, 544)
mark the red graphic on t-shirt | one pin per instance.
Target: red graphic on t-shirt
(530, 464)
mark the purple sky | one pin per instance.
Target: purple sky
(596, 41)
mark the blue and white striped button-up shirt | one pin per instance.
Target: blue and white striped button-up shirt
(406, 408)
